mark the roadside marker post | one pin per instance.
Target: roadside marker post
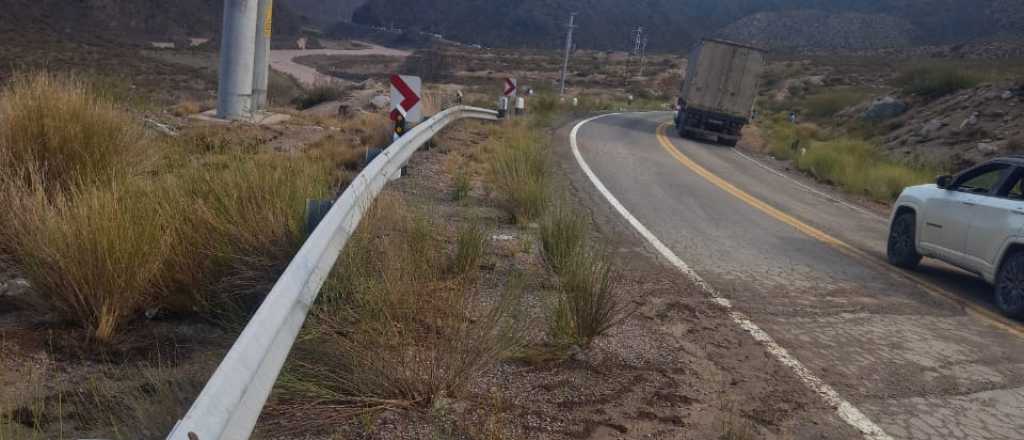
(406, 98)
(508, 98)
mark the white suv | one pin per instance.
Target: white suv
(974, 220)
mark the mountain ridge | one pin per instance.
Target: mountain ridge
(676, 24)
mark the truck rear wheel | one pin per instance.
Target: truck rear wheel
(729, 142)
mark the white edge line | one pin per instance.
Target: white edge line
(809, 189)
(846, 411)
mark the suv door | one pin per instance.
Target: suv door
(948, 215)
(997, 217)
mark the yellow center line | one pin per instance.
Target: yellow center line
(975, 309)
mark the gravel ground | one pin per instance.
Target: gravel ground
(677, 367)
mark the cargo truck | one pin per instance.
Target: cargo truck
(719, 90)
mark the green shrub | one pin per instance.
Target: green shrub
(935, 81)
(321, 92)
(829, 103)
(859, 167)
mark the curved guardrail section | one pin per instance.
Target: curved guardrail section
(233, 398)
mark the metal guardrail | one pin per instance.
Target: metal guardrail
(232, 400)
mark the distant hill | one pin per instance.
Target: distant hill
(104, 20)
(676, 24)
(325, 12)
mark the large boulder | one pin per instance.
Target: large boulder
(886, 107)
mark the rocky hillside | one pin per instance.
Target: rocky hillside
(103, 20)
(325, 12)
(676, 24)
(961, 129)
(791, 30)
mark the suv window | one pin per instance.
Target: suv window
(1013, 189)
(982, 180)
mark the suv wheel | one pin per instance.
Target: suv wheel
(902, 247)
(1010, 286)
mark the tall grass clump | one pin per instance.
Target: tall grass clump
(56, 127)
(245, 222)
(587, 304)
(519, 173)
(393, 327)
(935, 81)
(104, 227)
(563, 235)
(470, 244)
(96, 256)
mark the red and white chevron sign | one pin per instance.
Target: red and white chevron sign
(510, 87)
(406, 92)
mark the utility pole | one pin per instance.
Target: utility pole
(237, 59)
(637, 37)
(568, 51)
(643, 56)
(261, 74)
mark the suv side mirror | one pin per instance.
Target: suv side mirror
(943, 182)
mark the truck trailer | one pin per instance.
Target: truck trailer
(718, 92)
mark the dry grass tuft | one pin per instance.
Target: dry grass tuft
(392, 329)
(519, 172)
(96, 256)
(245, 223)
(54, 126)
(470, 244)
(563, 234)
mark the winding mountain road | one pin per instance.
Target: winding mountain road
(901, 355)
(284, 60)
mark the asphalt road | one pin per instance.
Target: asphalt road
(921, 355)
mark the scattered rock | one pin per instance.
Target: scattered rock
(885, 108)
(989, 147)
(932, 127)
(970, 122)
(15, 287)
(503, 237)
(380, 102)
(1007, 94)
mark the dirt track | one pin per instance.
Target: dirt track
(284, 60)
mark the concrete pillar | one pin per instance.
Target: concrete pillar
(261, 74)
(237, 54)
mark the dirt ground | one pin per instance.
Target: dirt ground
(677, 367)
